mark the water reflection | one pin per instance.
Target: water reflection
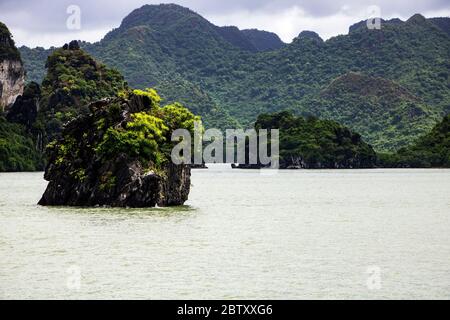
(108, 212)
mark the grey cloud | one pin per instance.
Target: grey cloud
(49, 16)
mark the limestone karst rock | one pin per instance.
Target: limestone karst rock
(119, 155)
(12, 72)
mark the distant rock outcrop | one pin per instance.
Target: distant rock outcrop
(25, 109)
(309, 35)
(12, 73)
(311, 143)
(252, 40)
(263, 40)
(235, 36)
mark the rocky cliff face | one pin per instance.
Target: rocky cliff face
(12, 82)
(12, 72)
(122, 182)
(117, 155)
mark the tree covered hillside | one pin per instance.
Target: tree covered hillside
(385, 113)
(215, 72)
(429, 151)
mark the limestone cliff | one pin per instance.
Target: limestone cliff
(12, 72)
(119, 155)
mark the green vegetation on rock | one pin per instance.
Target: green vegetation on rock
(73, 80)
(311, 143)
(118, 154)
(8, 50)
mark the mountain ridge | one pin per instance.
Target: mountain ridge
(184, 56)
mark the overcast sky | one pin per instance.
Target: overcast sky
(44, 22)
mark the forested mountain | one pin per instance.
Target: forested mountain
(159, 46)
(229, 78)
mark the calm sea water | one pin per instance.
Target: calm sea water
(242, 235)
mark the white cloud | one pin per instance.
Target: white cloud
(57, 39)
(290, 22)
(437, 13)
